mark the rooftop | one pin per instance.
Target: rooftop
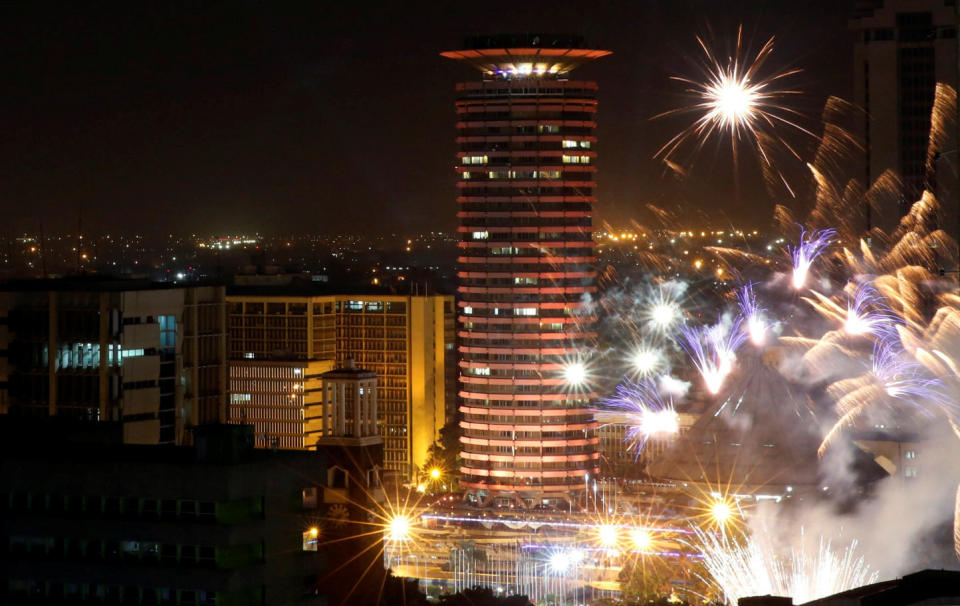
(525, 55)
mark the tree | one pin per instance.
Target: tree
(444, 454)
(644, 581)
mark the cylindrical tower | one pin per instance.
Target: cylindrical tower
(526, 191)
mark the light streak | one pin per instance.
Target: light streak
(552, 523)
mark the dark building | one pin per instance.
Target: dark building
(151, 356)
(526, 165)
(924, 587)
(87, 519)
(903, 48)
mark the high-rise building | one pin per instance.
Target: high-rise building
(526, 165)
(152, 356)
(903, 48)
(282, 339)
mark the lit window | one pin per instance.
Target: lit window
(249, 355)
(585, 145)
(524, 311)
(549, 174)
(910, 472)
(237, 398)
(910, 454)
(548, 128)
(466, 175)
(568, 143)
(525, 281)
(468, 310)
(481, 235)
(482, 371)
(571, 159)
(475, 160)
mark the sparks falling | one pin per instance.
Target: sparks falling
(757, 324)
(713, 350)
(811, 246)
(750, 567)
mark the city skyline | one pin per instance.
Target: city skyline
(537, 304)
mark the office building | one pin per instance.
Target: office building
(903, 48)
(86, 519)
(525, 166)
(273, 395)
(406, 340)
(151, 356)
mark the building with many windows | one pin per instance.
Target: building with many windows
(527, 149)
(283, 338)
(152, 356)
(85, 519)
(903, 48)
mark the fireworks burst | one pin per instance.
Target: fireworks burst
(751, 567)
(806, 253)
(650, 414)
(865, 312)
(738, 100)
(757, 323)
(712, 349)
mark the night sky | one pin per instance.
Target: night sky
(338, 117)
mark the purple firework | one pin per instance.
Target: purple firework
(811, 246)
(713, 350)
(757, 324)
(868, 314)
(902, 378)
(650, 413)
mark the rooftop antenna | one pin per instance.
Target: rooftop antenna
(43, 256)
(79, 238)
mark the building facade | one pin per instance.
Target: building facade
(88, 520)
(151, 356)
(406, 340)
(526, 165)
(274, 396)
(902, 49)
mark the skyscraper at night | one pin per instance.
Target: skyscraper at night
(903, 48)
(526, 165)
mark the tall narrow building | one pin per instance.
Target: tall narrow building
(903, 48)
(526, 191)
